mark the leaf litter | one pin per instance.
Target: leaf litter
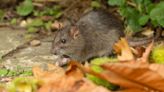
(132, 73)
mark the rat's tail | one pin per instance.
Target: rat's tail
(143, 41)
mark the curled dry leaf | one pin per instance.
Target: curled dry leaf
(146, 54)
(71, 81)
(70, 84)
(123, 48)
(2, 89)
(73, 70)
(52, 73)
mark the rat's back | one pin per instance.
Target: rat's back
(100, 30)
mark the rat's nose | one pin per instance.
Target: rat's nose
(54, 51)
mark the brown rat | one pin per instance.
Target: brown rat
(92, 36)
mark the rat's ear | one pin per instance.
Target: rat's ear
(74, 32)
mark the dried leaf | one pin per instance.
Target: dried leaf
(72, 81)
(133, 90)
(138, 51)
(2, 89)
(123, 48)
(73, 70)
(70, 84)
(135, 75)
(50, 75)
(146, 54)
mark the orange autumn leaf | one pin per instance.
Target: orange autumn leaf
(136, 75)
(122, 48)
(71, 81)
(48, 76)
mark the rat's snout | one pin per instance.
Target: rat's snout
(54, 50)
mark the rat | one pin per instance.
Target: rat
(93, 35)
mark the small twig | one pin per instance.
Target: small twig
(22, 46)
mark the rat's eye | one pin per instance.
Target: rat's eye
(63, 40)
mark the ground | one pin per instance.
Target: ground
(27, 57)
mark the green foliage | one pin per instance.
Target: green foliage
(158, 54)
(3, 72)
(13, 21)
(137, 13)
(23, 85)
(19, 71)
(116, 2)
(143, 20)
(157, 14)
(53, 11)
(102, 60)
(48, 25)
(32, 30)
(25, 8)
(36, 23)
(1, 15)
(95, 67)
(95, 4)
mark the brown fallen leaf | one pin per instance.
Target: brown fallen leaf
(53, 73)
(2, 89)
(133, 90)
(74, 71)
(146, 54)
(135, 75)
(70, 84)
(71, 81)
(122, 48)
(138, 51)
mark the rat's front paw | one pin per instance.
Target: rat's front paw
(62, 61)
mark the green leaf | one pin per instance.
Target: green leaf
(143, 20)
(58, 15)
(149, 8)
(138, 1)
(102, 60)
(48, 25)
(133, 24)
(36, 23)
(131, 15)
(95, 4)
(3, 72)
(25, 8)
(116, 2)
(102, 82)
(2, 13)
(147, 2)
(26, 73)
(154, 22)
(96, 68)
(157, 14)
(13, 21)
(32, 30)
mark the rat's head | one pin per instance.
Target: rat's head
(68, 42)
